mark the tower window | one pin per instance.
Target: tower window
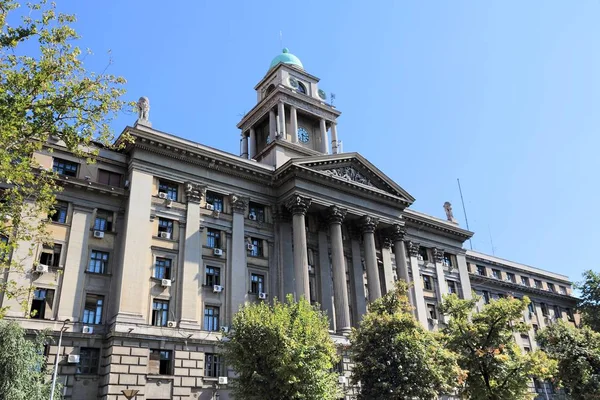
(301, 88)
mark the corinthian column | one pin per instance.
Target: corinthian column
(340, 289)
(368, 225)
(398, 234)
(298, 205)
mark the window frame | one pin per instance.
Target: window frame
(427, 282)
(213, 238)
(216, 200)
(103, 260)
(60, 164)
(89, 361)
(87, 312)
(215, 275)
(165, 361)
(61, 212)
(550, 286)
(258, 210)
(496, 274)
(52, 253)
(160, 312)
(257, 247)
(110, 176)
(451, 283)
(170, 188)
(167, 269)
(211, 320)
(169, 228)
(104, 220)
(538, 284)
(257, 284)
(45, 303)
(213, 365)
(511, 277)
(525, 281)
(432, 311)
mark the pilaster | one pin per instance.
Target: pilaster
(368, 225)
(238, 291)
(325, 279)
(294, 124)
(323, 129)
(463, 273)
(419, 304)
(386, 258)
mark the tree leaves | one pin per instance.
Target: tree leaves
(589, 303)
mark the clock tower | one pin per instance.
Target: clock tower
(292, 117)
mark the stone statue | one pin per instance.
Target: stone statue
(449, 214)
(143, 106)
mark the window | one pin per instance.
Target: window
(212, 365)
(562, 290)
(64, 167)
(104, 221)
(213, 238)
(448, 260)
(551, 287)
(423, 253)
(89, 358)
(257, 283)
(109, 178)
(160, 362)
(59, 212)
(481, 270)
(162, 268)
(526, 349)
(41, 306)
(50, 255)
(531, 307)
(539, 387)
(496, 273)
(535, 328)
(170, 189)
(166, 226)
(524, 281)
(92, 313)
(452, 287)
(510, 277)
(256, 212)
(216, 200)
(257, 247)
(557, 313)
(570, 316)
(486, 297)
(301, 88)
(544, 309)
(213, 276)
(160, 312)
(98, 262)
(427, 285)
(211, 318)
(431, 311)
(538, 284)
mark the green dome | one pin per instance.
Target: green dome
(286, 58)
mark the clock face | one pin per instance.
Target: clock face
(303, 135)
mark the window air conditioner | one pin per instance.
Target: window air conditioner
(252, 217)
(249, 246)
(262, 296)
(210, 207)
(88, 329)
(41, 268)
(171, 324)
(217, 289)
(420, 257)
(222, 380)
(165, 283)
(99, 234)
(73, 358)
(218, 252)
(164, 235)
(162, 195)
(225, 329)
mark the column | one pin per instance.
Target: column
(272, 125)
(419, 304)
(286, 255)
(252, 144)
(368, 225)
(294, 124)
(244, 145)
(238, 291)
(323, 136)
(298, 205)
(398, 234)
(358, 278)
(340, 289)
(386, 258)
(72, 289)
(334, 138)
(192, 257)
(463, 274)
(325, 279)
(281, 120)
(442, 285)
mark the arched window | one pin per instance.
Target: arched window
(301, 88)
(269, 90)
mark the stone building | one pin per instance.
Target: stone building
(156, 246)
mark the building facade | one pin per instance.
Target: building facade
(156, 247)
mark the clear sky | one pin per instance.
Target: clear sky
(501, 94)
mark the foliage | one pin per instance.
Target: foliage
(22, 365)
(589, 302)
(396, 358)
(281, 352)
(45, 92)
(578, 354)
(497, 368)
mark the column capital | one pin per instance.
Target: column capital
(298, 204)
(194, 192)
(387, 243)
(368, 224)
(438, 255)
(238, 203)
(413, 248)
(336, 215)
(398, 233)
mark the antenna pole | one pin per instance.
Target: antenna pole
(491, 241)
(462, 200)
(281, 39)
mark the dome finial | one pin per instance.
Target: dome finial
(285, 50)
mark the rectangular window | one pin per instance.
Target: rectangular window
(104, 221)
(109, 178)
(50, 255)
(257, 247)
(98, 262)
(538, 284)
(452, 287)
(213, 238)
(526, 349)
(256, 212)
(213, 276)
(41, 306)
(162, 268)
(481, 270)
(531, 307)
(216, 200)
(427, 284)
(448, 260)
(212, 365)
(570, 316)
(562, 290)
(524, 281)
(211, 318)
(92, 313)
(496, 273)
(169, 189)
(165, 226)
(551, 287)
(160, 312)
(161, 362)
(510, 277)
(89, 359)
(64, 167)
(431, 311)
(257, 283)
(544, 309)
(486, 297)
(59, 212)
(423, 253)
(557, 313)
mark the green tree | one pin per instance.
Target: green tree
(396, 358)
(578, 354)
(497, 368)
(23, 375)
(45, 92)
(281, 352)
(589, 301)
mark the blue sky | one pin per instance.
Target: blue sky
(501, 94)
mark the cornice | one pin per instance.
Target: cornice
(519, 288)
(271, 72)
(94, 187)
(429, 222)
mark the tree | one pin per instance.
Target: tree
(281, 352)
(589, 302)
(497, 368)
(22, 365)
(396, 358)
(45, 92)
(578, 354)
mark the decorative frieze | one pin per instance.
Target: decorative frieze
(348, 173)
(298, 204)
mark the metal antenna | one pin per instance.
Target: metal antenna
(281, 39)
(332, 98)
(464, 210)
(491, 241)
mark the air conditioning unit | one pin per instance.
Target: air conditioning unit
(162, 195)
(88, 330)
(252, 217)
(342, 379)
(218, 252)
(420, 257)
(249, 246)
(311, 269)
(171, 324)
(217, 289)
(262, 296)
(210, 207)
(73, 358)
(165, 283)
(99, 234)
(164, 235)
(222, 380)
(225, 329)
(41, 268)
